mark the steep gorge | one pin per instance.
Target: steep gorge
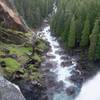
(38, 61)
(20, 56)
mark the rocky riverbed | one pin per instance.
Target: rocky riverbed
(57, 69)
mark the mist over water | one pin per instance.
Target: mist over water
(91, 89)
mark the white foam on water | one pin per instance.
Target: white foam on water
(62, 72)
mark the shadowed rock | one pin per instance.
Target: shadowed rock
(66, 63)
(70, 90)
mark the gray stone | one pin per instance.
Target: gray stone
(71, 90)
(9, 91)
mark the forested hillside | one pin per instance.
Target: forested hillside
(34, 11)
(77, 22)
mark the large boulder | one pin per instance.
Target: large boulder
(9, 91)
(71, 90)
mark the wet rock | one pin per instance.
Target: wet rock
(32, 90)
(49, 79)
(66, 64)
(65, 57)
(50, 56)
(9, 91)
(4, 56)
(60, 52)
(17, 75)
(77, 78)
(56, 46)
(44, 97)
(2, 64)
(6, 50)
(70, 90)
(59, 86)
(13, 56)
(49, 64)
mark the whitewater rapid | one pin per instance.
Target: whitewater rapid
(62, 73)
(90, 89)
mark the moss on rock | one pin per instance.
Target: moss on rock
(11, 66)
(24, 53)
(12, 36)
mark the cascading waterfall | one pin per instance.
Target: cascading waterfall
(91, 89)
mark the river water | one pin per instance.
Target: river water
(57, 69)
(60, 67)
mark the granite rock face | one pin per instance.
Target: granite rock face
(9, 17)
(9, 91)
(13, 28)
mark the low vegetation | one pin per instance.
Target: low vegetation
(19, 61)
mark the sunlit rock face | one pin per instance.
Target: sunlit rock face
(12, 27)
(91, 89)
(9, 91)
(9, 17)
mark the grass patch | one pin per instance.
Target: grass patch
(37, 57)
(41, 45)
(22, 52)
(11, 65)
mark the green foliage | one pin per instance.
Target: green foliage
(34, 11)
(72, 34)
(12, 65)
(85, 34)
(22, 54)
(37, 57)
(85, 13)
(94, 42)
(97, 52)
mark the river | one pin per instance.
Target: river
(57, 69)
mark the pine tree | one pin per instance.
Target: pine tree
(85, 34)
(72, 34)
(97, 52)
(34, 11)
(93, 40)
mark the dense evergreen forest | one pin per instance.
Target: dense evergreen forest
(34, 11)
(77, 22)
